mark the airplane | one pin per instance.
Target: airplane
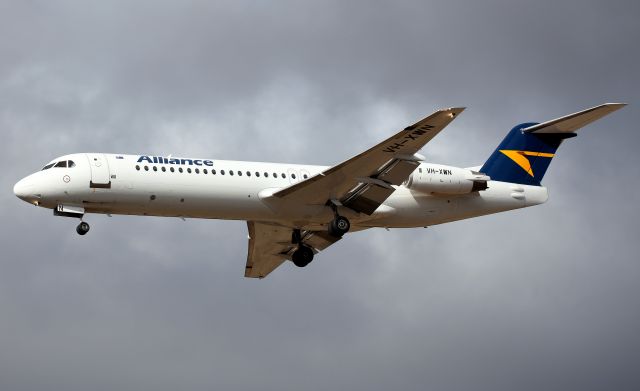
(294, 211)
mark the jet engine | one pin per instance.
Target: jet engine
(439, 179)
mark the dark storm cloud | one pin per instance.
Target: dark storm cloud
(531, 299)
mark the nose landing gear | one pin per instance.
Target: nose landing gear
(82, 228)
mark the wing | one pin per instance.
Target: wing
(363, 182)
(271, 244)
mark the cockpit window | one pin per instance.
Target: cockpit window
(62, 163)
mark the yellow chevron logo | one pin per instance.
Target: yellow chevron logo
(521, 159)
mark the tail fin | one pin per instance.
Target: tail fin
(526, 152)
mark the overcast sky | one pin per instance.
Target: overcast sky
(541, 298)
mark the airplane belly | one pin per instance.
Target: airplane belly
(185, 200)
(408, 209)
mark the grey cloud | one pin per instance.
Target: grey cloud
(537, 298)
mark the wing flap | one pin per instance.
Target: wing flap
(319, 240)
(398, 171)
(367, 198)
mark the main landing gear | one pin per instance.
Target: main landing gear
(303, 254)
(339, 226)
(82, 228)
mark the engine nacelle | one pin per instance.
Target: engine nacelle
(439, 179)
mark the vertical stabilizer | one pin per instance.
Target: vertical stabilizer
(526, 152)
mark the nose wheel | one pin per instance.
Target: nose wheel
(82, 228)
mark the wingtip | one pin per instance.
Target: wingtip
(453, 111)
(616, 105)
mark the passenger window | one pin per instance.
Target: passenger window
(61, 164)
(257, 174)
(180, 169)
(71, 163)
(146, 168)
(137, 167)
(230, 172)
(197, 171)
(189, 170)
(305, 176)
(164, 169)
(283, 176)
(172, 169)
(213, 172)
(275, 175)
(239, 173)
(155, 168)
(266, 174)
(204, 171)
(221, 172)
(293, 176)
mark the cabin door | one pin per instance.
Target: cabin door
(100, 177)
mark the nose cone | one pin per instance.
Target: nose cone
(24, 190)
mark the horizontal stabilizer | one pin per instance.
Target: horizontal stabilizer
(572, 122)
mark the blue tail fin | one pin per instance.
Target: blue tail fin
(523, 157)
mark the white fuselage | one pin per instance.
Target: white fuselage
(237, 190)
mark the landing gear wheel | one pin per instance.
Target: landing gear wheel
(302, 256)
(339, 226)
(82, 228)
